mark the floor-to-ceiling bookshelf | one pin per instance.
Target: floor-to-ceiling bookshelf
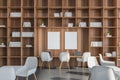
(100, 16)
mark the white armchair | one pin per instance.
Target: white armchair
(45, 57)
(64, 57)
(28, 69)
(92, 61)
(102, 73)
(106, 63)
(84, 58)
(7, 73)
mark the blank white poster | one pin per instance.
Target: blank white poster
(70, 40)
(53, 40)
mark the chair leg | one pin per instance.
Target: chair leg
(82, 64)
(60, 65)
(41, 65)
(49, 65)
(26, 78)
(89, 77)
(68, 65)
(16, 77)
(35, 77)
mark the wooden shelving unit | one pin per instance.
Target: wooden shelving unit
(104, 12)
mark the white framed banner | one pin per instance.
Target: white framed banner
(53, 40)
(70, 40)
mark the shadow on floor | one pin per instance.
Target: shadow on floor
(78, 73)
(59, 78)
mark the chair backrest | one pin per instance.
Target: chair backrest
(7, 73)
(85, 56)
(101, 58)
(64, 57)
(102, 73)
(92, 61)
(45, 56)
(31, 63)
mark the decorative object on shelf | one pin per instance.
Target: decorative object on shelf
(108, 34)
(15, 34)
(70, 24)
(95, 24)
(61, 14)
(2, 26)
(82, 24)
(26, 24)
(42, 24)
(15, 14)
(14, 44)
(96, 43)
(2, 44)
(114, 53)
(68, 14)
(28, 45)
(56, 15)
(27, 34)
(108, 54)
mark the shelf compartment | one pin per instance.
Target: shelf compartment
(28, 13)
(28, 3)
(42, 20)
(42, 3)
(69, 3)
(52, 12)
(82, 3)
(69, 10)
(55, 22)
(42, 13)
(96, 32)
(83, 13)
(3, 3)
(83, 20)
(14, 3)
(55, 3)
(3, 22)
(3, 32)
(3, 51)
(13, 30)
(28, 41)
(96, 13)
(109, 49)
(96, 3)
(112, 32)
(110, 22)
(109, 3)
(109, 12)
(15, 61)
(3, 61)
(3, 13)
(31, 20)
(109, 42)
(66, 21)
(96, 50)
(28, 52)
(15, 52)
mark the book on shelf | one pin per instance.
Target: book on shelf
(26, 24)
(14, 44)
(82, 24)
(95, 24)
(15, 34)
(2, 26)
(15, 14)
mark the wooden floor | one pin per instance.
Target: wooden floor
(63, 74)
